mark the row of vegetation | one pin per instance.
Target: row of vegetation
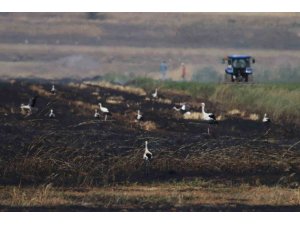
(195, 195)
(280, 101)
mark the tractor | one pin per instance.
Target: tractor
(238, 68)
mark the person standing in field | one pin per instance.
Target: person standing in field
(183, 71)
(163, 70)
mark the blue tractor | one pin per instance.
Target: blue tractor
(238, 68)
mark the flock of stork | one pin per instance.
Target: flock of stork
(209, 117)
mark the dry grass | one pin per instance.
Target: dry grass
(235, 112)
(34, 24)
(40, 90)
(115, 100)
(128, 89)
(148, 125)
(157, 196)
(77, 103)
(192, 116)
(253, 117)
(78, 85)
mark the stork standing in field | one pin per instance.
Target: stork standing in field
(147, 154)
(51, 114)
(139, 116)
(147, 157)
(53, 90)
(155, 94)
(104, 110)
(29, 107)
(96, 114)
(210, 117)
(266, 119)
(183, 107)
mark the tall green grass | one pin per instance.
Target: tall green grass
(281, 101)
(194, 89)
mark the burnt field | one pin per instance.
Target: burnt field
(75, 150)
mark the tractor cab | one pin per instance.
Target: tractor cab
(238, 68)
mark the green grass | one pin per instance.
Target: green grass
(192, 88)
(280, 101)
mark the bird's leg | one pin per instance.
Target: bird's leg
(267, 130)
(105, 117)
(147, 167)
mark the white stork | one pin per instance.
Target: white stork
(104, 110)
(147, 157)
(266, 119)
(210, 117)
(29, 106)
(51, 114)
(139, 116)
(154, 95)
(53, 90)
(147, 154)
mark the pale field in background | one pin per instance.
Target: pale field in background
(55, 45)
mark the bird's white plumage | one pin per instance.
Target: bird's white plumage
(177, 109)
(154, 95)
(51, 114)
(147, 154)
(103, 109)
(139, 115)
(30, 106)
(207, 116)
(53, 90)
(96, 114)
(183, 107)
(26, 107)
(266, 119)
